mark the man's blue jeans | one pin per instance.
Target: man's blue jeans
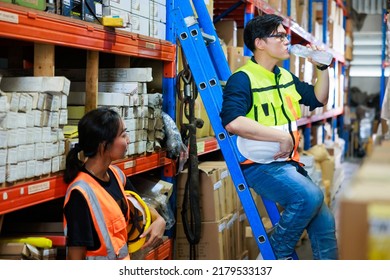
(288, 184)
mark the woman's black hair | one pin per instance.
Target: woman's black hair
(98, 126)
(260, 27)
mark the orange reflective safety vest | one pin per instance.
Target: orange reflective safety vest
(108, 219)
(275, 104)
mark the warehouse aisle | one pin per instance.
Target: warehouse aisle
(349, 166)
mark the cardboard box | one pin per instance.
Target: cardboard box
(236, 57)
(231, 200)
(211, 193)
(23, 251)
(227, 31)
(213, 242)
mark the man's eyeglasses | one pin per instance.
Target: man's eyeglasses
(281, 36)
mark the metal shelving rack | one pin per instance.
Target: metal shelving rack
(34, 26)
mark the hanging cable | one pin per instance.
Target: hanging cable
(190, 212)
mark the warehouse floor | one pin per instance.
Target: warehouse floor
(350, 166)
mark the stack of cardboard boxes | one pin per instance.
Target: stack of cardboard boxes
(222, 218)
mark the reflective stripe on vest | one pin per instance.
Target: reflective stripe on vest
(275, 104)
(91, 190)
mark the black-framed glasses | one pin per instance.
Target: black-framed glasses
(281, 36)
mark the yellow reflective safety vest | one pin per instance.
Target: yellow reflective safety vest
(275, 104)
(107, 217)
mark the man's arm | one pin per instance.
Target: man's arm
(321, 88)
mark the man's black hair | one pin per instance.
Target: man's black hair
(260, 27)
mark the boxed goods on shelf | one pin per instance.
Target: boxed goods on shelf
(31, 126)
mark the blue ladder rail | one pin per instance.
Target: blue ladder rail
(209, 66)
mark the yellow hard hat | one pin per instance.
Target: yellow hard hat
(140, 220)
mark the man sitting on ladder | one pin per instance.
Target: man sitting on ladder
(261, 105)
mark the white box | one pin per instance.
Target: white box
(30, 119)
(46, 166)
(30, 169)
(131, 149)
(120, 4)
(120, 87)
(54, 150)
(133, 100)
(38, 168)
(30, 135)
(35, 99)
(21, 170)
(157, 29)
(12, 173)
(12, 155)
(2, 174)
(47, 151)
(38, 135)
(55, 164)
(46, 134)
(139, 24)
(13, 98)
(37, 117)
(143, 74)
(163, 2)
(139, 7)
(3, 157)
(54, 119)
(64, 101)
(22, 151)
(41, 101)
(3, 120)
(57, 135)
(54, 85)
(30, 154)
(157, 12)
(4, 105)
(131, 124)
(62, 162)
(12, 138)
(25, 102)
(22, 120)
(63, 119)
(61, 148)
(44, 119)
(11, 120)
(39, 151)
(3, 138)
(22, 135)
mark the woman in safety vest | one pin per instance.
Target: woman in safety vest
(261, 105)
(98, 215)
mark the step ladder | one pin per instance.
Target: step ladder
(209, 67)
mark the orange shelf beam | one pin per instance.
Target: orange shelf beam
(207, 145)
(323, 116)
(27, 194)
(132, 166)
(32, 25)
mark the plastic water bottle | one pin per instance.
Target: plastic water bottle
(321, 57)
